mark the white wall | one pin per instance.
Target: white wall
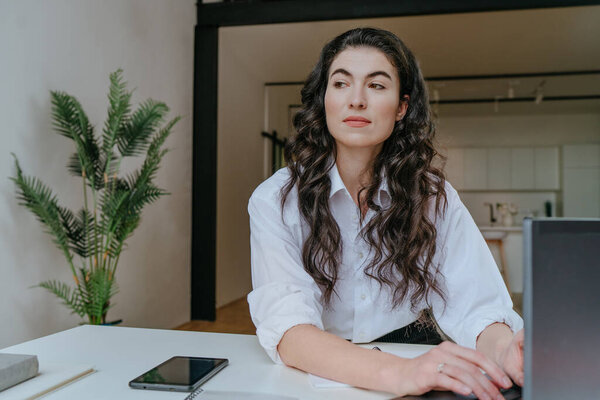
(239, 166)
(73, 46)
(518, 130)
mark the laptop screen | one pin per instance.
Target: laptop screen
(561, 308)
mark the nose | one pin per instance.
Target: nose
(358, 99)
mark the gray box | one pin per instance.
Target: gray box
(16, 368)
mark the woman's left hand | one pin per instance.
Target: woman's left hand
(511, 358)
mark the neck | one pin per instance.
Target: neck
(355, 167)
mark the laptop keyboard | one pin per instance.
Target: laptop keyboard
(514, 393)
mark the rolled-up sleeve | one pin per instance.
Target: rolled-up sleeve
(476, 294)
(283, 294)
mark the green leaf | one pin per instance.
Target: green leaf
(39, 199)
(74, 229)
(137, 133)
(98, 288)
(70, 120)
(154, 155)
(118, 115)
(63, 291)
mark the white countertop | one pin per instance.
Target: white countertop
(500, 228)
(120, 354)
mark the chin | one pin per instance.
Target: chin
(359, 140)
(358, 144)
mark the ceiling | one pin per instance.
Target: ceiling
(483, 43)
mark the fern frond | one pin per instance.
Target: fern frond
(154, 155)
(74, 165)
(39, 199)
(136, 134)
(118, 112)
(75, 231)
(86, 219)
(63, 292)
(70, 120)
(114, 207)
(98, 288)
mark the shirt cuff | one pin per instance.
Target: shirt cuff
(473, 327)
(274, 318)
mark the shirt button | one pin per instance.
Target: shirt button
(360, 255)
(362, 297)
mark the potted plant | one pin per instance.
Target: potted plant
(92, 238)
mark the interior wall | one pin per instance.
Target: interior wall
(73, 46)
(518, 130)
(239, 166)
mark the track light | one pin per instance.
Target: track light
(539, 92)
(511, 88)
(539, 97)
(497, 103)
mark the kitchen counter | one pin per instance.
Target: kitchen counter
(500, 228)
(511, 238)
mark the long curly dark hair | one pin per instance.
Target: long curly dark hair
(402, 236)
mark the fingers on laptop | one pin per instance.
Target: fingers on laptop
(464, 365)
(513, 363)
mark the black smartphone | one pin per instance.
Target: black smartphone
(180, 374)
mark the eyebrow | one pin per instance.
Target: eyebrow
(371, 75)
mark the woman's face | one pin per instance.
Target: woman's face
(362, 99)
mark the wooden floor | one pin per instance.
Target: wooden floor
(235, 318)
(231, 318)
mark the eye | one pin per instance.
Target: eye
(377, 86)
(338, 84)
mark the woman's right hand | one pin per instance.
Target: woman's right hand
(449, 366)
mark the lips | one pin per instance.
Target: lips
(356, 121)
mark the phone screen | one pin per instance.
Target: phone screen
(181, 371)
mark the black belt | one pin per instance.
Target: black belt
(415, 333)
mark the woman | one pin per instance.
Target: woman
(361, 233)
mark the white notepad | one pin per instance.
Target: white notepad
(220, 395)
(51, 377)
(406, 352)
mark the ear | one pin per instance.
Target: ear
(402, 108)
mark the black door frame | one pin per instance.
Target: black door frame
(210, 18)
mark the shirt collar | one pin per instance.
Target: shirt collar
(336, 181)
(382, 198)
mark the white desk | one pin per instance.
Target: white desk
(120, 354)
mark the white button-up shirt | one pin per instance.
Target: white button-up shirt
(285, 295)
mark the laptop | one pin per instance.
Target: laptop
(561, 308)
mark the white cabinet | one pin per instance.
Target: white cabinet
(499, 168)
(504, 168)
(546, 168)
(475, 168)
(513, 252)
(581, 196)
(513, 246)
(581, 156)
(455, 168)
(522, 175)
(581, 179)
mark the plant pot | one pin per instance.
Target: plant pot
(112, 323)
